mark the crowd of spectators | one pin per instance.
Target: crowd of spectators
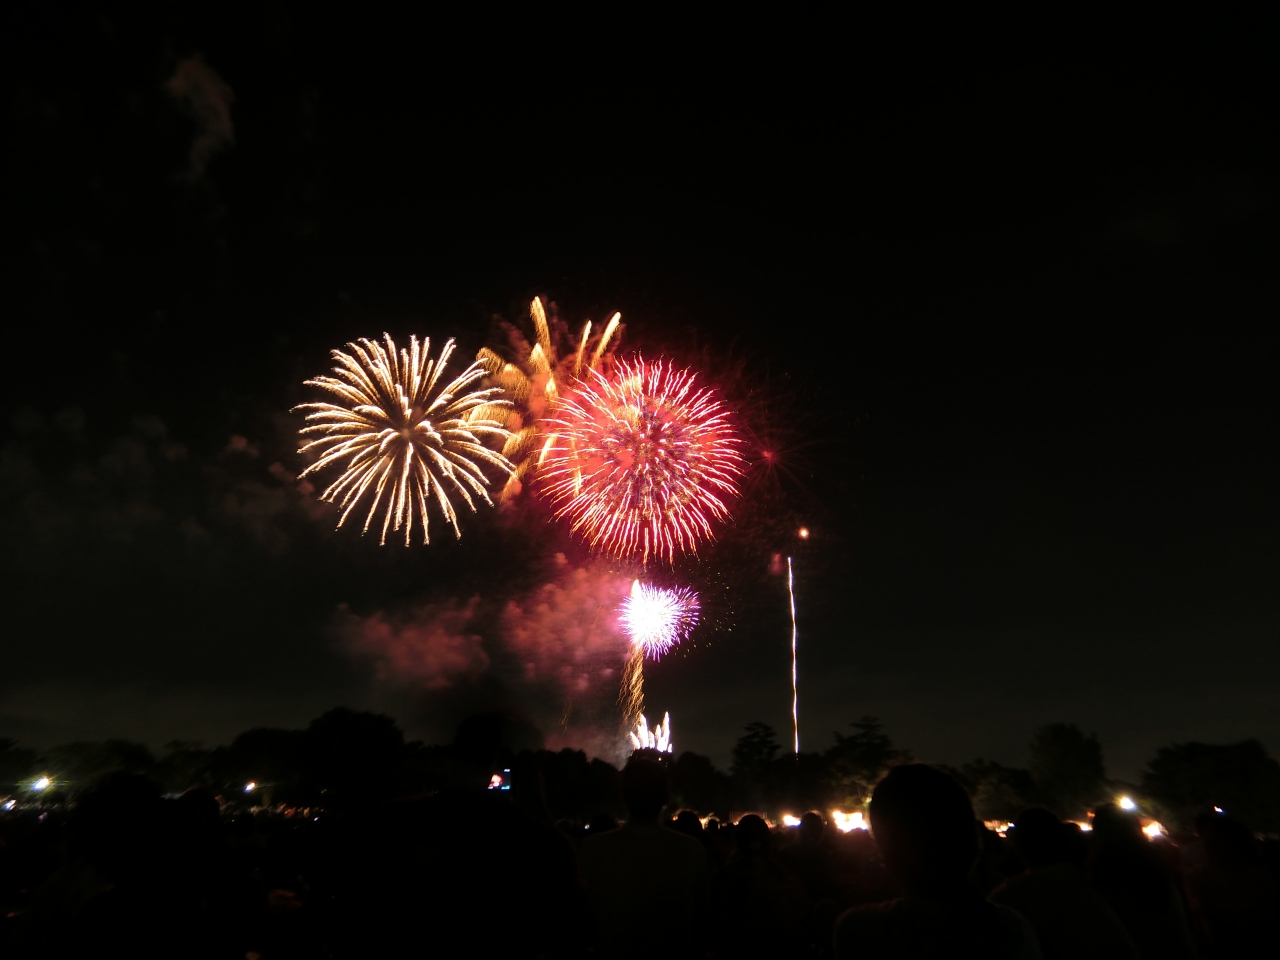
(129, 872)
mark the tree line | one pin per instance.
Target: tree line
(347, 759)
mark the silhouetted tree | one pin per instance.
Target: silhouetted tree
(1241, 778)
(698, 785)
(15, 764)
(752, 756)
(81, 764)
(996, 791)
(352, 756)
(1067, 769)
(860, 759)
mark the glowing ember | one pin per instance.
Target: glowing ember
(658, 739)
(641, 462)
(402, 437)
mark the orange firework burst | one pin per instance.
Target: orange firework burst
(641, 462)
(540, 375)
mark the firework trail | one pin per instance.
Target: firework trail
(544, 372)
(655, 620)
(401, 437)
(795, 688)
(641, 461)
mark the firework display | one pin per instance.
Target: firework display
(542, 373)
(655, 620)
(641, 462)
(642, 738)
(400, 438)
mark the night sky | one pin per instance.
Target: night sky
(1007, 322)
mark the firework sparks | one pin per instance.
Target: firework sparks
(658, 739)
(642, 461)
(544, 372)
(655, 620)
(402, 438)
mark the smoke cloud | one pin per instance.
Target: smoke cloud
(430, 648)
(567, 631)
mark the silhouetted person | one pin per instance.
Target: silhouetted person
(1233, 895)
(647, 884)
(1070, 919)
(1133, 881)
(760, 905)
(925, 830)
(688, 823)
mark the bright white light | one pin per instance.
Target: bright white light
(804, 533)
(1084, 825)
(10, 804)
(789, 821)
(849, 821)
(1153, 830)
(41, 784)
(1217, 810)
(250, 786)
(642, 738)
(1126, 803)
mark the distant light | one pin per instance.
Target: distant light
(1153, 830)
(789, 821)
(41, 784)
(1217, 810)
(1084, 825)
(9, 804)
(804, 533)
(1126, 803)
(495, 782)
(250, 786)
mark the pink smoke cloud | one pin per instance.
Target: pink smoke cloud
(431, 647)
(567, 630)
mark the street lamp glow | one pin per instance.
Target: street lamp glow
(1126, 803)
(803, 533)
(250, 786)
(41, 784)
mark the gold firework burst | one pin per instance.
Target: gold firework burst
(400, 437)
(542, 374)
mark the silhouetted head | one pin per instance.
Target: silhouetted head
(644, 788)
(1040, 838)
(751, 838)
(689, 823)
(811, 828)
(1227, 841)
(201, 808)
(1113, 826)
(924, 826)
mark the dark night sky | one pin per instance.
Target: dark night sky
(1011, 320)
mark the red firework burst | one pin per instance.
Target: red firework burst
(642, 461)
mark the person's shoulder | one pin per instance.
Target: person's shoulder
(1017, 935)
(866, 931)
